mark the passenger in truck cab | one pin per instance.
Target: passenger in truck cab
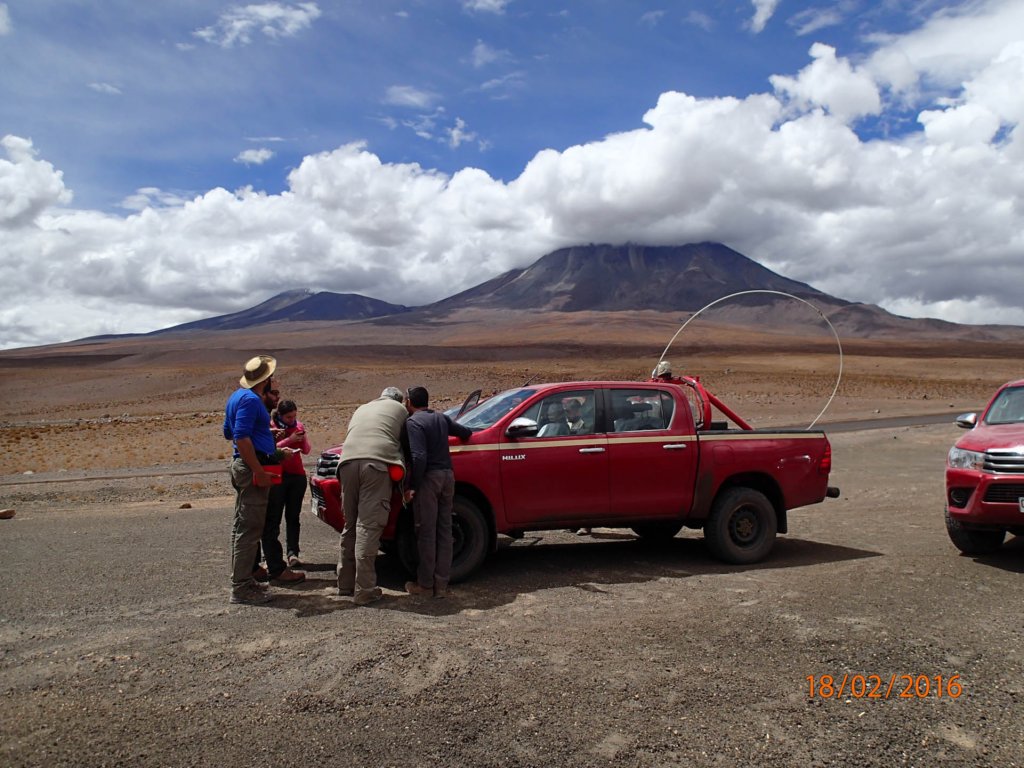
(574, 417)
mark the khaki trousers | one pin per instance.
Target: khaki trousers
(250, 514)
(366, 503)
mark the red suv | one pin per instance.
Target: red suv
(985, 475)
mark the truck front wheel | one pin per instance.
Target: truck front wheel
(971, 541)
(470, 540)
(742, 526)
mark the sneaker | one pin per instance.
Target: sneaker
(365, 598)
(294, 562)
(261, 574)
(288, 576)
(414, 588)
(250, 596)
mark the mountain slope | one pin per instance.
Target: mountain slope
(293, 306)
(629, 277)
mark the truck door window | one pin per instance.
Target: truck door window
(641, 409)
(564, 413)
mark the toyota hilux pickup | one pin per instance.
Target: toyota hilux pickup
(642, 455)
(985, 475)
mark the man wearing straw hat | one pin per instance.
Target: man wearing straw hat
(247, 424)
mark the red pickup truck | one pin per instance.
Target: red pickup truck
(640, 455)
(985, 475)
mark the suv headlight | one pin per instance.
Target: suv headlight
(961, 459)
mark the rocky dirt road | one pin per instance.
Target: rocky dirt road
(119, 646)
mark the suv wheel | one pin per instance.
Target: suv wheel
(742, 526)
(972, 541)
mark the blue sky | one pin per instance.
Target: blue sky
(170, 156)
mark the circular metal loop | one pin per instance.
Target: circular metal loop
(821, 314)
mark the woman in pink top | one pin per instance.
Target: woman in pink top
(290, 493)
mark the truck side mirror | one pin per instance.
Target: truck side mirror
(522, 427)
(967, 420)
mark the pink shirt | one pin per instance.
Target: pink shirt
(292, 465)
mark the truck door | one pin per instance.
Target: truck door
(652, 453)
(562, 473)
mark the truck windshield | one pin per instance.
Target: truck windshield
(492, 409)
(1008, 408)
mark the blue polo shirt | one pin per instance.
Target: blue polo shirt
(245, 415)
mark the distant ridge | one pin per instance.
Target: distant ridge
(617, 278)
(295, 306)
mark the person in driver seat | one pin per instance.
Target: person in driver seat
(554, 424)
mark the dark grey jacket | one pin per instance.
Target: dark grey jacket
(428, 443)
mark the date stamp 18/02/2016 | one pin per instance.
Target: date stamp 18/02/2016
(894, 686)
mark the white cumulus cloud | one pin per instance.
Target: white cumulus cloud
(254, 156)
(409, 96)
(239, 24)
(763, 12)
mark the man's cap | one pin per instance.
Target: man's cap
(259, 368)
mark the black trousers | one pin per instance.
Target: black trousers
(285, 501)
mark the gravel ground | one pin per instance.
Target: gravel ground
(118, 645)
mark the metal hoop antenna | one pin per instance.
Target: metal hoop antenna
(821, 314)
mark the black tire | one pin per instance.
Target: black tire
(742, 526)
(661, 531)
(971, 541)
(470, 540)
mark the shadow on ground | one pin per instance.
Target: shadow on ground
(546, 561)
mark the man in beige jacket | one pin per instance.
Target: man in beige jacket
(376, 440)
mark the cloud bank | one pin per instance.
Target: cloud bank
(927, 223)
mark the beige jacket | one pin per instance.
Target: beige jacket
(375, 432)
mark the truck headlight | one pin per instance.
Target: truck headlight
(961, 459)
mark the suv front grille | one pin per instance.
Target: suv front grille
(1004, 462)
(327, 465)
(1004, 493)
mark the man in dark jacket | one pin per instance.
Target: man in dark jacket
(432, 488)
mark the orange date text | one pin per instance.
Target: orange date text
(894, 686)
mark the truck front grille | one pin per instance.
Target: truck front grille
(1004, 493)
(327, 465)
(1004, 462)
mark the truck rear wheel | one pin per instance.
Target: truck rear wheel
(470, 540)
(971, 541)
(742, 526)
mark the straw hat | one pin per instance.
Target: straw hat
(258, 369)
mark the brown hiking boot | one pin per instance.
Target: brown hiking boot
(288, 577)
(414, 588)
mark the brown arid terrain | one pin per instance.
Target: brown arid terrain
(119, 646)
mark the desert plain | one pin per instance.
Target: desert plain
(119, 646)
